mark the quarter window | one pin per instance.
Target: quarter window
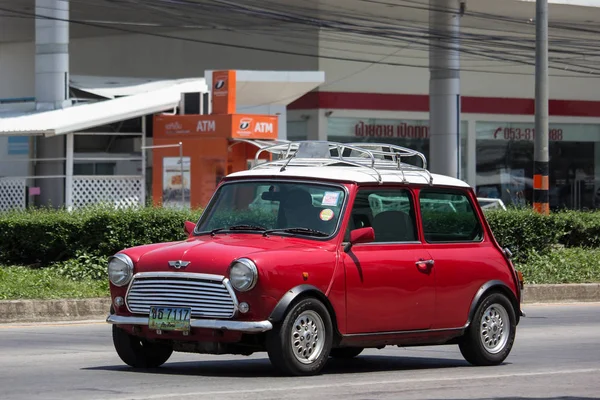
(389, 212)
(448, 216)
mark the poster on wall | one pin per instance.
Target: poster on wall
(176, 185)
(517, 186)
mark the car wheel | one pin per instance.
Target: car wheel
(491, 334)
(137, 352)
(301, 343)
(346, 352)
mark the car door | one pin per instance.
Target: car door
(454, 237)
(389, 285)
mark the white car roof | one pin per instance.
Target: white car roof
(368, 163)
(350, 174)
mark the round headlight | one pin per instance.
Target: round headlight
(243, 275)
(120, 269)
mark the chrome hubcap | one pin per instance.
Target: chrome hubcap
(495, 328)
(308, 337)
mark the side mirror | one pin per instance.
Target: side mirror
(188, 227)
(361, 235)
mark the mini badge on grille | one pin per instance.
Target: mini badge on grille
(179, 264)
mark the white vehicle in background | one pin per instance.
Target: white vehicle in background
(490, 204)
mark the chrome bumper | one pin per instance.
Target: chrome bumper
(242, 326)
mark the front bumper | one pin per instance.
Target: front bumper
(241, 326)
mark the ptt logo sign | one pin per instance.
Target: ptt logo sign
(245, 124)
(220, 86)
(206, 126)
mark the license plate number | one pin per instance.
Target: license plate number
(169, 318)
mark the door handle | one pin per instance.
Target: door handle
(424, 264)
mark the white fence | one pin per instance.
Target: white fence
(13, 194)
(119, 191)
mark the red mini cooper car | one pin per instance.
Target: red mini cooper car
(322, 252)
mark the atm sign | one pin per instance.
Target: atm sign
(255, 127)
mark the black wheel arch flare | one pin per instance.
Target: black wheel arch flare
(494, 286)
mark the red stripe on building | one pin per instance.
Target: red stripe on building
(420, 103)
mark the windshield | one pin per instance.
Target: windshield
(262, 205)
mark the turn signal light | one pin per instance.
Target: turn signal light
(520, 276)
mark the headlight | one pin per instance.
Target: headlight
(243, 275)
(120, 269)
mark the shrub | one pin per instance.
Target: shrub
(83, 267)
(35, 236)
(580, 229)
(46, 236)
(523, 231)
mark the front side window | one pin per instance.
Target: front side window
(300, 208)
(448, 216)
(388, 211)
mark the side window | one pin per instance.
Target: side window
(448, 216)
(389, 212)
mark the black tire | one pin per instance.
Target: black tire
(472, 346)
(346, 352)
(137, 352)
(282, 349)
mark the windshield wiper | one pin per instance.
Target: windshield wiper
(239, 228)
(307, 231)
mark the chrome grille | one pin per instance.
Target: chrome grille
(206, 295)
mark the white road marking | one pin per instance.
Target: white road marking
(365, 383)
(23, 325)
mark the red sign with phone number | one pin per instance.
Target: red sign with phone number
(505, 133)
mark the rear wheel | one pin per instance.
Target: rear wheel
(137, 352)
(491, 334)
(301, 343)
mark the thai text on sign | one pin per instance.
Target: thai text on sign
(400, 130)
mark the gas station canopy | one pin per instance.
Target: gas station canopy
(270, 88)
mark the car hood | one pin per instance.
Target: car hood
(213, 255)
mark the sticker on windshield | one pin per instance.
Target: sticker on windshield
(330, 199)
(326, 214)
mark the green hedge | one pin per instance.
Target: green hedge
(46, 236)
(43, 237)
(525, 232)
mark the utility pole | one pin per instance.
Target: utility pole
(444, 87)
(541, 167)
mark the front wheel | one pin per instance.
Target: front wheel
(490, 337)
(137, 352)
(300, 345)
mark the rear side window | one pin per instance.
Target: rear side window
(390, 212)
(448, 217)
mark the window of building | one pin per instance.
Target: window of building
(389, 212)
(96, 168)
(505, 153)
(448, 216)
(297, 130)
(412, 134)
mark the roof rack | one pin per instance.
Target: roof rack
(316, 153)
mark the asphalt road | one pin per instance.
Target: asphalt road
(556, 356)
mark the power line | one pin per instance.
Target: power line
(418, 41)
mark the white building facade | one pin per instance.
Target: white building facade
(376, 82)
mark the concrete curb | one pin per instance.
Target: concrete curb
(566, 293)
(53, 310)
(25, 311)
